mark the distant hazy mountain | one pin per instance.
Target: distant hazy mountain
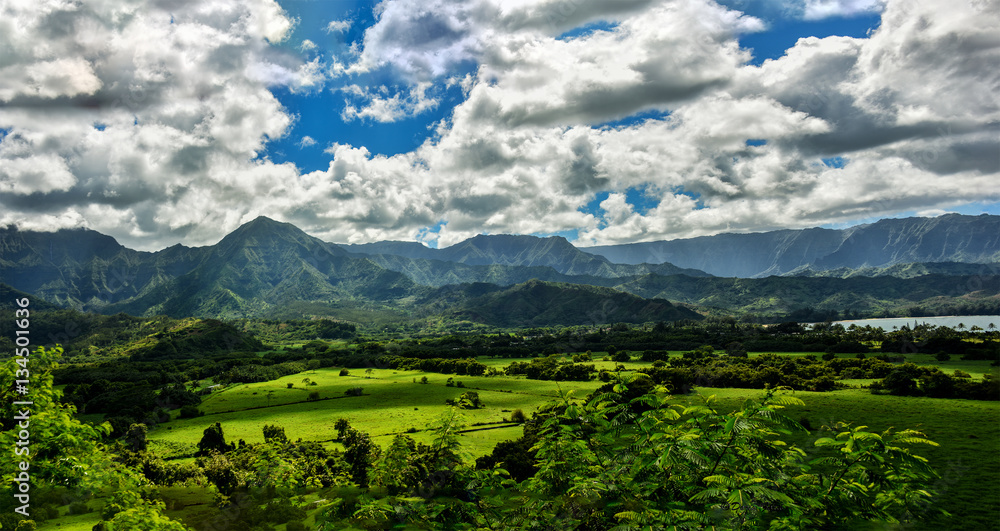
(948, 238)
(500, 255)
(907, 270)
(884, 296)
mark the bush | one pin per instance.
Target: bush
(829, 356)
(344, 372)
(621, 356)
(468, 400)
(291, 385)
(296, 526)
(313, 395)
(79, 508)
(942, 356)
(736, 350)
(354, 391)
(518, 416)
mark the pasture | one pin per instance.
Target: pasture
(395, 402)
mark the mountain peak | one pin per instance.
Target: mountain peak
(264, 226)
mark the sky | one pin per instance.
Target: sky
(175, 121)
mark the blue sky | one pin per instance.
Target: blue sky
(435, 120)
(319, 112)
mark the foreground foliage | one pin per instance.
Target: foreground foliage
(645, 463)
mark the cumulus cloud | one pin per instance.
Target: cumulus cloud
(135, 110)
(338, 26)
(820, 9)
(156, 134)
(379, 106)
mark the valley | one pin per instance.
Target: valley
(274, 381)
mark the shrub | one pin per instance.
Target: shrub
(518, 416)
(190, 412)
(942, 356)
(468, 400)
(313, 395)
(354, 391)
(291, 385)
(79, 508)
(736, 350)
(961, 374)
(829, 356)
(344, 372)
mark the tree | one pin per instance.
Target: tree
(213, 441)
(360, 453)
(135, 438)
(468, 400)
(274, 434)
(597, 469)
(621, 356)
(736, 350)
(66, 453)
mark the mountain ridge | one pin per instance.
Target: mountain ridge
(887, 242)
(266, 267)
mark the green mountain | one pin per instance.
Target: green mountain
(9, 297)
(506, 260)
(261, 265)
(267, 268)
(773, 296)
(948, 238)
(906, 270)
(537, 303)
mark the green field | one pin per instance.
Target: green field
(394, 402)
(968, 432)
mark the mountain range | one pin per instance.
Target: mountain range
(266, 267)
(947, 238)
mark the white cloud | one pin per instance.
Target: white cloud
(49, 79)
(379, 106)
(183, 107)
(820, 9)
(338, 26)
(186, 109)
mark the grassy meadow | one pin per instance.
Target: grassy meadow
(395, 402)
